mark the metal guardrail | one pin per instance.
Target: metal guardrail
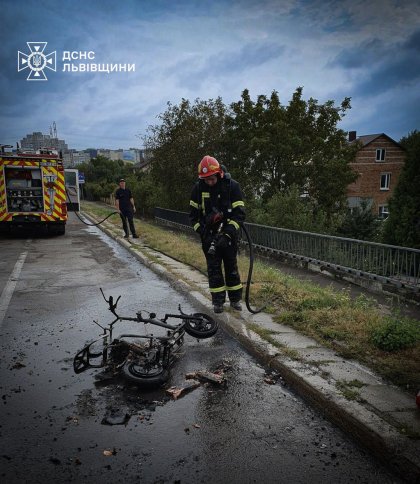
(391, 264)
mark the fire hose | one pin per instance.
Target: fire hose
(86, 223)
(251, 267)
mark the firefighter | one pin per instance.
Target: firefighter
(217, 209)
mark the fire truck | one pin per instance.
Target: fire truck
(32, 191)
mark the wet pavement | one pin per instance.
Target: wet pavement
(54, 424)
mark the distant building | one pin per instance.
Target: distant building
(68, 159)
(80, 157)
(144, 163)
(73, 158)
(378, 163)
(37, 140)
(130, 156)
(104, 153)
(92, 152)
(115, 155)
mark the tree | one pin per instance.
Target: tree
(102, 175)
(272, 147)
(266, 146)
(402, 227)
(186, 133)
(147, 195)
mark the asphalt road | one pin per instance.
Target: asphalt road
(52, 420)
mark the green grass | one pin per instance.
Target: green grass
(353, 327)
(349, 389)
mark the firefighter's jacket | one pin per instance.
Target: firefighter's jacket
(225, 197)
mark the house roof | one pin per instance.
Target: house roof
(368, 138)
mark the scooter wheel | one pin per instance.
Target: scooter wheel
(145, 375)
(202, 327)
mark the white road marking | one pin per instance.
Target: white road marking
(10, 286)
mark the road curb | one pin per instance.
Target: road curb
(398, 452)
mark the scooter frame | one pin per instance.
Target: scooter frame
(145, 364)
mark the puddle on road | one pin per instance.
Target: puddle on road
(117, 249)
(118, 400)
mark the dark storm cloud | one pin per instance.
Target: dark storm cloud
(203, 50)
(402, 72)
(360, 56)
(384, 67)
(192, 73)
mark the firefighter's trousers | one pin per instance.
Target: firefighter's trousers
(231, 281)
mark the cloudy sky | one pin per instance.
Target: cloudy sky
(367, 50)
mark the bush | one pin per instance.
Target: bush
(98, 190)
(288, 210)
(361, 223)
(396, 334)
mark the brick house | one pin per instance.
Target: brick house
(378, 162)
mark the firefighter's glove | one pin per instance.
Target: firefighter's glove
(223, 241)
(214, 218)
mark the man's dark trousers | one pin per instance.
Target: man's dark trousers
(127, 215)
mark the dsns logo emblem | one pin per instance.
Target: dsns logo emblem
(36, 61)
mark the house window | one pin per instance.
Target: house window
(383, 212)
(385, 181)
(380, 154)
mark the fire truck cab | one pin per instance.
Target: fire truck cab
(32, 191)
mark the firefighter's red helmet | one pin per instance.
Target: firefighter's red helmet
(209, 166)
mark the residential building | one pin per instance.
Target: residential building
(103, 152)
(37, 140)
(68, 159)
(378, 163)
(144, 160)
(80, 157)
(74, 158)
(116, 155)
(92, 151)
(130, 156)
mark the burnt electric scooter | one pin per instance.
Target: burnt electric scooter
(141, 358)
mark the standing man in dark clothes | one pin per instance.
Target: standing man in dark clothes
(216, 212)
(125, 205)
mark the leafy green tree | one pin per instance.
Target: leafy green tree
(266, 146)
(271, 147)
(185, 134)
(102, 175)
(103, 169)
(147, 195)
(98, 190)
(402, 227)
